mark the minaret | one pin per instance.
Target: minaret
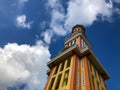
(76, 67)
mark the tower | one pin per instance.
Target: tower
(76, 67)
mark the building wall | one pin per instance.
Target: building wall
(87, 76)
(82, 74)
(75, 73)
(97, 81)
(60, 77)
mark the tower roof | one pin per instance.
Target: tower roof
(78, 25)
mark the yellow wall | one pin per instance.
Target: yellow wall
(59, 82)
(82, 77)
(64, 74)
(96, 79)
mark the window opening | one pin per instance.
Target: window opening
(65, 81)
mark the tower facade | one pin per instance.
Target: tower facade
(76, 67)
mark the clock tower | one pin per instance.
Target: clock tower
(76, 67)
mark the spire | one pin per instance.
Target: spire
(78, 29)
(77, 37)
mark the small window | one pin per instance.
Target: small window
(51, 84)
(98, 86)
(79, 29)
(91, 67)
(73, 42)
(56, 69)
(69, 43)
(102, 89)
(68, 62)
(63, 64)
(65, 81)
(82, 45)
(100, 78)
(95, 73)
(58, 81)
(75, 30)
(93, 83)
(66, 45)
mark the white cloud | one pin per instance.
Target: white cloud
(52, 3)
(86, 11)
(24, 64)
(57, 18)
(21, 22)
(47, 35)
(56, 21)
(83, 12)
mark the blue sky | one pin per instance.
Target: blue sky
(33, 31)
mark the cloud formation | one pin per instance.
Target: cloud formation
(23, 64)
(21, 22)
(86, 12)
(83, 12)
(57, 19)
(47, 36)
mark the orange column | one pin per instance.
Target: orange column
(87, 74)
(79, 41)
(73, 73)
(45, 88)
